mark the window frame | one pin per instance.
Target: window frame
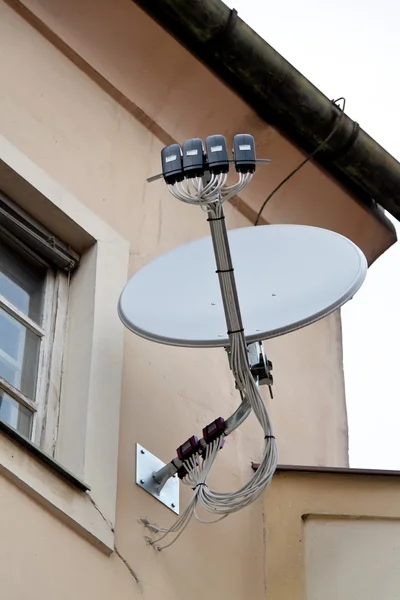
(48, 421)
(51, 332)
(89, 392)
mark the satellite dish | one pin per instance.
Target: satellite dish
(287, 276)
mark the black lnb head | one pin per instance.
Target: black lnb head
(244, 153)
(217, 154)
(193, 158)
(171, 160)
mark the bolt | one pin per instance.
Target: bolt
(274, 294)
(142, 452)
(142, 481)
(173, 505)
(212, 303)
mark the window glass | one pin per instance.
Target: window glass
(22, 280)
(19, 354)
(15, 414)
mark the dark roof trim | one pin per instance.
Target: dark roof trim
(282, 96)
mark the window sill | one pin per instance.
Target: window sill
(55, 489)
(43, 457)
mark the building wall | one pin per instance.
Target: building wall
(168, 90)
(351, 559)
(94, 147)
(58, 117)
(332, 535)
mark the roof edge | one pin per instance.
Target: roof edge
(283, 97)
(331, 470)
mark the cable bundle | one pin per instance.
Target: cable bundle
(211, 197)
(193, 191)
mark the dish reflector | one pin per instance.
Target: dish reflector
(287, 276)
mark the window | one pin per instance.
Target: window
(88, 361)
(26, 285)
(32, 316)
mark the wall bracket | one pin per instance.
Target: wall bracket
(146, 466)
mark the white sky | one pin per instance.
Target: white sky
(351, 48)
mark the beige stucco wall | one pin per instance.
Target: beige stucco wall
(332, 535)
(59, 118)
(149, 73)
(80, 135)
(351, 559)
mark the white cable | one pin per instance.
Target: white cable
(211, 198)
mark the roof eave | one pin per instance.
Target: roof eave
(283, 97)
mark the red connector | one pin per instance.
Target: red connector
(187, 449)
(214, 430)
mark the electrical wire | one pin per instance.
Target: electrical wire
(307, 159)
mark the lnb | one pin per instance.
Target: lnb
(194, 158)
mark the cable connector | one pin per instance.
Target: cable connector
(184, 452)
(190, 447)
(203, 445)
(214, 430)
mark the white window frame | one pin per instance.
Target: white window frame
(88, 421)
(51, 331)
(50, 367)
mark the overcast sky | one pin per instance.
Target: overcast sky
(351, 48)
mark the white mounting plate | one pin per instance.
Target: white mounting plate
(287, 276)
(146, 465)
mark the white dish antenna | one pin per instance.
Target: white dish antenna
(287, 277)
